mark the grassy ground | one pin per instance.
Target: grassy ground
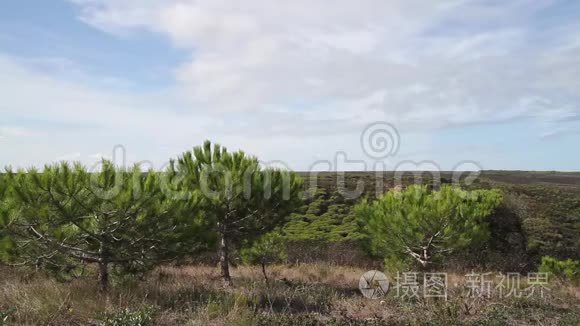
(307, 294)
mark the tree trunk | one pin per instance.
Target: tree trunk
(425, 265)
(264, 272)
(224, 260)
(103, 276)
(103, 269)
(426, 259)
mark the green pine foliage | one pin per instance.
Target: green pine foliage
(65, 217)
(268, 249)
(128, 221)
(326, 217)
(5, 210)
(564, 269)
(421, 225)
(241, 200)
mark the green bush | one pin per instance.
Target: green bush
(269, 249)
(421, 225)
(141, 317)
(325, 217)
(4, 315)
(564, 269)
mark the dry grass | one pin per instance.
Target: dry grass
(306, 294)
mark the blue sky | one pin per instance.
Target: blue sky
(490, 82)
(47, 30)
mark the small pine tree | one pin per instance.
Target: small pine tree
(239, 199)
(65, 217)
(268, 249)
(422, 225)
(563, 269)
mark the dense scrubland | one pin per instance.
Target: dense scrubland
(539, 214)
(296, 261)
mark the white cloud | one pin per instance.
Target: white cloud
(15, 132)
(72, 120)
(263, 56)
(298, 69)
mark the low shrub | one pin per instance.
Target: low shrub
(564, 269)
(127, 317)
(4, 315)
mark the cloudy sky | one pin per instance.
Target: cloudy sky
(494, 82)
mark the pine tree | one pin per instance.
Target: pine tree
(64, 217)
(240, 199)
(422, 225)
(268, 249)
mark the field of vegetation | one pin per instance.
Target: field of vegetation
(218, 240)
(301, 294)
